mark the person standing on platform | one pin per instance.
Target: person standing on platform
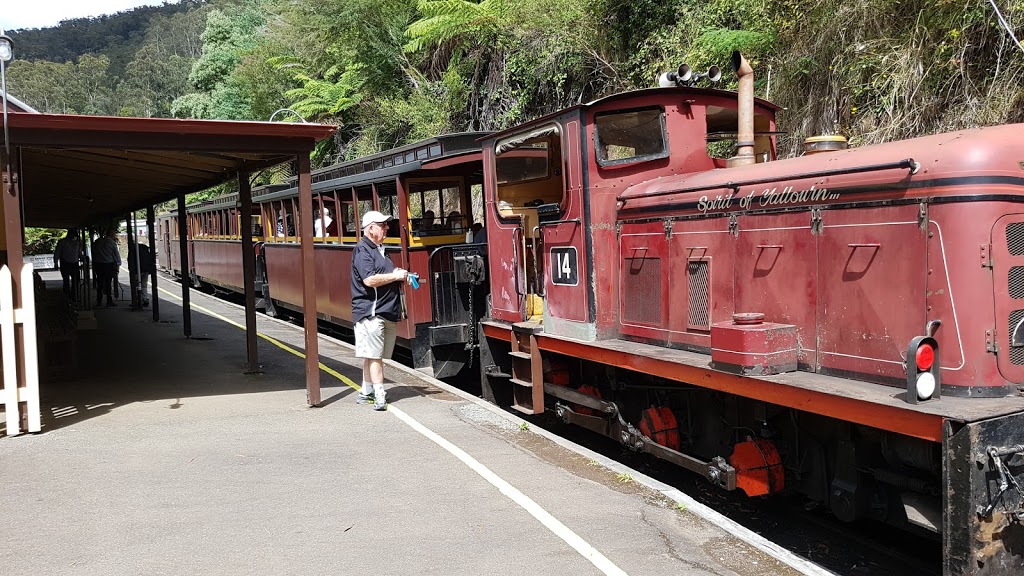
(106, 258)
(376, 306)
(66, 255)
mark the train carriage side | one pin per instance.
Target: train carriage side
(845, 325)
(428, 187)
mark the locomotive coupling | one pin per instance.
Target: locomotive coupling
(998, 459)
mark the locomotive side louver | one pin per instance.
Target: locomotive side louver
(641, 286)
(1015, 282)
(1015, 238)
(1016, 352)
(700, 291)
(1015, 288)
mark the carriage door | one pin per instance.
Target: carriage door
(563, 242)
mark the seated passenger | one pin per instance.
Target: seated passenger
(425, 224)
(479, 234)
(321, 223)
(455, 221)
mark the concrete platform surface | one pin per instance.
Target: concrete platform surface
(162, 457)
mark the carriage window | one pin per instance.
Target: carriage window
(387, 203)
(323, 221)
(365, 203)
(630, 136)
(435, 209)
(348, 219)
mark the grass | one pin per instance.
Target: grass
(523, 427)
(624, 477)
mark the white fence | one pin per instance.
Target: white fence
(11, 394)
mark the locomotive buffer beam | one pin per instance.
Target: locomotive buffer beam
(717, 471)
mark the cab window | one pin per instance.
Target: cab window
(629, 136)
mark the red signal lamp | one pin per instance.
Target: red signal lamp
(924, 380)
(925, 356)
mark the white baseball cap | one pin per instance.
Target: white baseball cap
(374, 217)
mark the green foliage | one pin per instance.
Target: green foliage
(41, 240)
(228, 38)
(389, 72)
(319, 99)
(461, 22)
(116, 36)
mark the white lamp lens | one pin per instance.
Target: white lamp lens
(925, 385)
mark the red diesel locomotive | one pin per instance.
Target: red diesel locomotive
(848, 324)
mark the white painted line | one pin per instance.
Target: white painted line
(791, 559)
(599, 560)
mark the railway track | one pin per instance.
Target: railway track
(846, 549)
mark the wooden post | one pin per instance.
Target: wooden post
(308, 261)
(248, 273)
(186, 275)
(14, 349)
(133, 262)
(12, 214)
(154, 296)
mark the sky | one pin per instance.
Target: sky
(44, 13)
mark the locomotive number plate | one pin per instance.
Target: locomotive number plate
(564, 266)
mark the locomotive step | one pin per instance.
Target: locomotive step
(522, 383)
(520, 355)
(528, 327)
(523, 409)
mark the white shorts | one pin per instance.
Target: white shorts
(375, 338)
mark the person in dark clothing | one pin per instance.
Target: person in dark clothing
(376, 306)
(66, 255)
(106, 259)
(145, 269)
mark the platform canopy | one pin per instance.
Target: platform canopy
(76, 170)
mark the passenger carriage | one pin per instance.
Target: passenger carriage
(441, 175)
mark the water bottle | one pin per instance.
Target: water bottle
(414, 280)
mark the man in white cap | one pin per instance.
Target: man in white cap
(376, 306)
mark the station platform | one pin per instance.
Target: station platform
(159, 455)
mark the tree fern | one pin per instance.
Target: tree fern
(447, 20)
(325, 98)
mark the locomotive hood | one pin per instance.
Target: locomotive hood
(898, 169)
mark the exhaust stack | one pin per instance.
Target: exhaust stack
(745, 112)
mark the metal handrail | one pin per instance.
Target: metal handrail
(906, 163)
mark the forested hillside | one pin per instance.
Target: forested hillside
(392, 71)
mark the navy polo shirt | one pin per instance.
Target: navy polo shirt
(383, 301)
